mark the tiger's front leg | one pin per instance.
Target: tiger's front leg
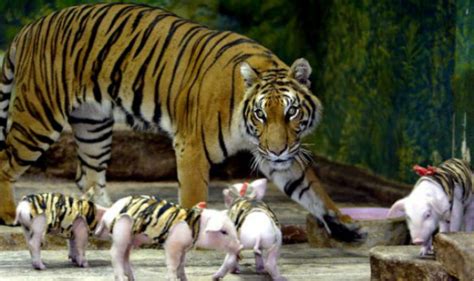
(303, 186)
(92, 125)
(193, 171)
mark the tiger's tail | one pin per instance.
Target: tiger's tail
(6, 86)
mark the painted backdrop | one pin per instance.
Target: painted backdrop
(395, 77)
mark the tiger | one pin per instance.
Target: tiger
(214, 93)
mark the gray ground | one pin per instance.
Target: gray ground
(297, 262)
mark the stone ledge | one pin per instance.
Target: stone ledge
(391, 231)
(455, 252)
(389, 263)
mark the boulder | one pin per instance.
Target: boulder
(389, 263)
(380, 230)
(455, 251)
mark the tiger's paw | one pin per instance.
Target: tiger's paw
(98, 195)
(7, 217)
(342, 231)
(7, 204)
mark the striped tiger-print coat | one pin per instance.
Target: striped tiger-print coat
(450, 173)
(156, 217)
(61, 211)
(242, 207)
(213, 92)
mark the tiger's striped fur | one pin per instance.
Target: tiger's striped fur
(155, 217)
(213, 92)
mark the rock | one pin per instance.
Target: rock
(455, 251)
(293, 234)
(383, 231)
(404, 263)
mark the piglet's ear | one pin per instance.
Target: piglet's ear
(260, 187)
(228, 198)
(214, 225)
(397, 208)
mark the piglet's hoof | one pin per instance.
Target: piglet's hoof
(39, 265)
(83, 264)
(235, 270)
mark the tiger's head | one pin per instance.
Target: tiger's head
(278, 110)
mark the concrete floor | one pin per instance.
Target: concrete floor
(297, 261)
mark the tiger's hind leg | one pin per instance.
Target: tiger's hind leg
(7, 205)
(35, 127)
(92, 126)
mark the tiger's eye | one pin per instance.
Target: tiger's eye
(292, 111)
(259, 113)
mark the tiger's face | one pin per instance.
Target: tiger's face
(279, 109)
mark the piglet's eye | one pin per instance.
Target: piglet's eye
(427, 215)
(224, 232)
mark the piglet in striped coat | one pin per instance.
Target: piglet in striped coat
(257, 226)
(442, 198)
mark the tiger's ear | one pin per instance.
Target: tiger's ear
(300, 71)
(249, 74)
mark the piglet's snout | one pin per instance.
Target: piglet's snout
(418, 241)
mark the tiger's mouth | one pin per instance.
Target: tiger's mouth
(281, 162)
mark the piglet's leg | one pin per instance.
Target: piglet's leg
(127, 265)
(80, 233)
(179, 240)
(469, 216)
(37, 230)
(181, 272)
(230, 263)
(427, 248)
(271, 264)
(121, 241)
(443, 226)
(457, 213)
(175, 257)
(72, 250)
(259, 264)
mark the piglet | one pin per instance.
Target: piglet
(135, 220)
(257, 226)
(58, 214)
(429, 206)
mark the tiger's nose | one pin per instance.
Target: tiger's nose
(276, 152)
